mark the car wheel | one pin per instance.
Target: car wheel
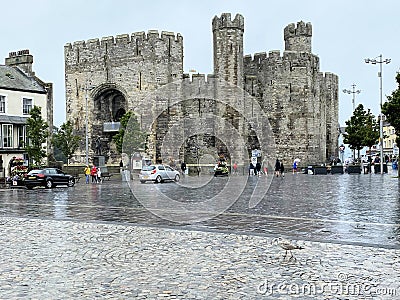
(177, 178)
(158, 179)
(142, 181)
(49, 184)
(71, 182)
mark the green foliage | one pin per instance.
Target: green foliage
(370, 130)
(37, 132)
(354, 128)
(130, 138)
(391, 110)
(65, 140)
(362, 129)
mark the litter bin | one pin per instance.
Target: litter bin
(337, 169)
(354, 169)
(320, 170)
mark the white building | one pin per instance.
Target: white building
(20, 90)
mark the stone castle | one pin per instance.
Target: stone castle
(144, 73)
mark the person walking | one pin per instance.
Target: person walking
(277, 167)
(251, 169)
(235, 168)
(294, 166)
(282, 170)
(93, 174)
(183, 168)
(98, 175)
(258, 169)
(87, 173)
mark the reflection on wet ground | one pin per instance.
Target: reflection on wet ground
(361, 209)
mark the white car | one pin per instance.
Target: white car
(158, 173)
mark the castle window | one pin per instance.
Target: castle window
(26, 106)
(2, 104)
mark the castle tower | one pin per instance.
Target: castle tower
(228, 48)
(298, 38)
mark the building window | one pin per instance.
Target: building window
(7, 136)
(26, 106)
(2, 104)
(22, 136)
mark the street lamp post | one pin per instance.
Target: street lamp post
(86, 127)
(374, 61)
(352, 92)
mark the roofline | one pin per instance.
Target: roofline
(21, 90)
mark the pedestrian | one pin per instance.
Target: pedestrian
(183, 168)
(265, 170)
(282, 170)
(235, 168)
(258, 169)
(294, 166)
(121, 165)
(251, 169)
(99, 179)
(93, 174)
(277, 167)
(87, 173)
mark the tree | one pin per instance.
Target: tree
(362, 129)
(37, 132)
(370, 130)
(354, 130)
(130, 138)
(65, 139)
(391, 110)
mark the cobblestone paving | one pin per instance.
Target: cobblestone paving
(97, 241)
(59, 259)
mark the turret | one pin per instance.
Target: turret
(298, 38)
(228, 48)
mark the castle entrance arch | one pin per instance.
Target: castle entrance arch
(109, 105)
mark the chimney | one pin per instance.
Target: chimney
(21, 59)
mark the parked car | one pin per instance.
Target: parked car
(221, 169)
(48, 178)
(158, 173)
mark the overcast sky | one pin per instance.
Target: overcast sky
(344, 34)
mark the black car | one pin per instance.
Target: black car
(48, 177)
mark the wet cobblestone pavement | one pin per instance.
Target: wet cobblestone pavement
(97, 241)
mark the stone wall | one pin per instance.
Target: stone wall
(301, 103)
(144, 73)
(114, 74)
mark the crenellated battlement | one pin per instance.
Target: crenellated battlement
(199, 78)
(302, 29)
(298, 38)
(125, 39)
(225, 21)
(260, 57)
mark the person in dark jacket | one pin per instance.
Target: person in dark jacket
(277, 167)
